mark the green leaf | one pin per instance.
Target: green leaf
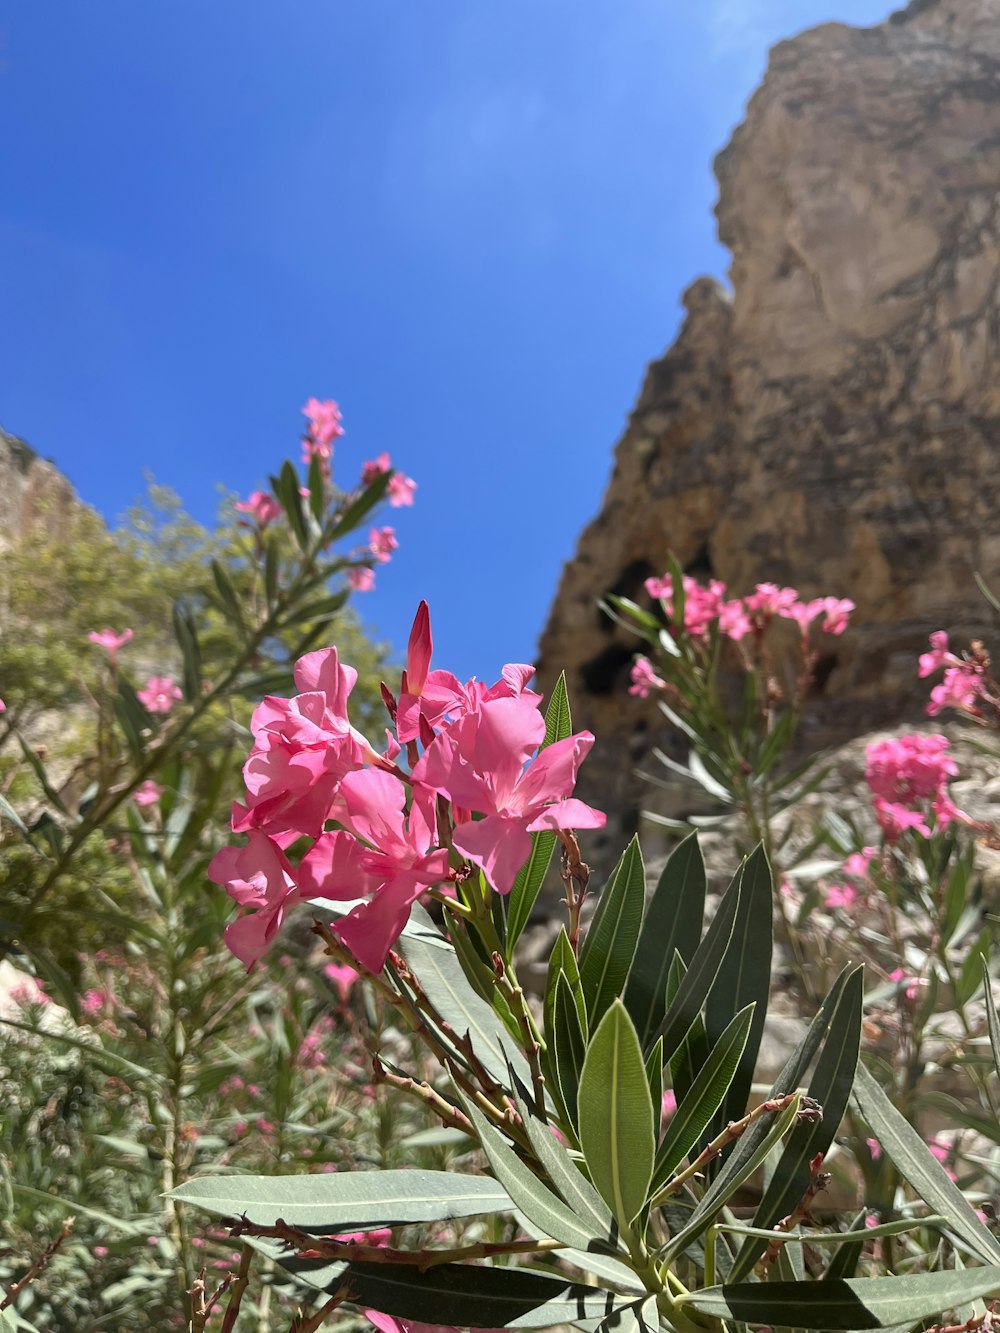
(286, 491)
(633, 617)
(992, 1019)
(228, 596)
(272, 569)
(830, 1086)
(673, 921)
(545, 1213)
(348, 518)
(702, 971)
(38, 768)
(347, 1200)
(186, 634)
(562, 960)
(460, 1295)
(967, 981)
(744, 979)
(705, 1095)
(912, 1159)
(567, 1179)
(607, 952)
(616, 1115)
(839, 1304)
(567, 1047)
(654, 1077)
(75, 1206)
(531, 876)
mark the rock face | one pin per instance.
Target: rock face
(33, 492)
(835, 422)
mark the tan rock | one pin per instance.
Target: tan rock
(834, 422)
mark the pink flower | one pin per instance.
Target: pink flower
(874, 1149)
(400, 862)
(3, 706)
(479, 764)
(343, 978)
(701, 605)
(260, 878)
(938, 656)
(837, 612)
(159, 694)
(382, 543)
(895, 819)
(644, 678)
(110, 641)
(29, 992)
(324, 427)
(803, 613)
(907, 773)
(734, 622)
(959, 688)
(911, 983)
(668, 1104)
(400, 490)
(261, 507)
(857, 863)
(375, 468)
(100, 1251)
(768, 600)
(361, 578)
(388, 1323)
(841, 895)
(93, 1002)
(438, 697)
(148, 793)
(941, 1150)
(302, 749)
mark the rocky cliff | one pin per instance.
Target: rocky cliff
(32, 491)
(834, 421)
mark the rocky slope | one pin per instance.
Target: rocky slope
(834, 422)
(32, 491)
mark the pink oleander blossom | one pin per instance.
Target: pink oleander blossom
(734, 622)
(262, 508)
(938, 657)
(259, 877)
(702, 605)
(381, 543)
(93, 1001)
(400, 490)
(388, 1323)
(911, 984)
(857, 864)
(361, 578)
(110, 641)
(644, 678)
(437, 697)
(960, 687)
(478, 762)
(148, 793)
(908, 777)
(768, 600)
(374, 468)
(844, 896)
(302, 749)
(342, 977)
(836, 614)
(159, 694)
(324, 427)
(399, 863)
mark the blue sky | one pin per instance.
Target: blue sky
(469, 221)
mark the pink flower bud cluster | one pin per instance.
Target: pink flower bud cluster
(908, 777)
(400, 489)
(324, 427)
(644, 678)
(394, 834)
(262, 507)
(707, 605)
(963, 681)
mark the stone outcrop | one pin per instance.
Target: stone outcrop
(33, 492)
(834, 422)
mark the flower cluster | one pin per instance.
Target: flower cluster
(707, 605)
(908, 777)
(964, 679)
(324, 427)
(473, 795)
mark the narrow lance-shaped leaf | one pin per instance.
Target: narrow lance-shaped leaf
(992, 1019)
(186, 634)
(616, 1115)
(543, 1210)
(567, 1047)
(562, 961)
(912, 1159)
(458, 1295)
(744, 979)
(609, 947)
(689, 1120)
(346, 1200)
(830, 1086)
(673, 921)
(846, 1304)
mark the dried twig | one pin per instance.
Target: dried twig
(39, 1266)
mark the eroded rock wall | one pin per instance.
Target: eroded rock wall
(835, 422)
